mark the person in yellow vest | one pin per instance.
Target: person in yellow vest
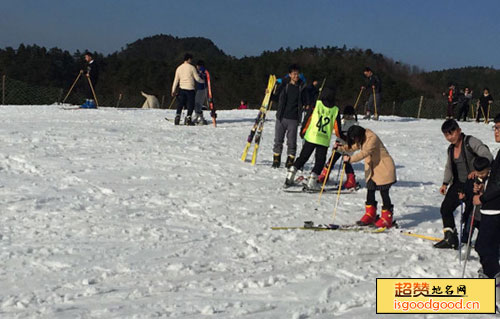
(380, 172)
(317, 128)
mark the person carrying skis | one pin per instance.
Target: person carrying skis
(488, 196)
(317, 128)
(484, 103)
(185, 77)
(92, 73)
(201, 95)
(380, 172)
(291, 98)
(349, 118)
(462, 152)
(373, 83)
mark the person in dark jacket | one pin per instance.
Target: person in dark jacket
(488, 195)
(462, 152)
(373, 85)
(484, 104)
(463, 103)
(91, 71)
(291, 100)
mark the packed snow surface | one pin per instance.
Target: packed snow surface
(116, 213)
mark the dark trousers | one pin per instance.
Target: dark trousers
(464, 109)
(450, 110)
(306, 152)
(386, 199)
(348, 166)
(88, 91)
(488, 243)
(451, 202)
(185, 99)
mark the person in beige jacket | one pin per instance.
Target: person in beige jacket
(380, 172)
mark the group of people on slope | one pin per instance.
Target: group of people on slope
(321, 120)
(472, 179)
(462, 100)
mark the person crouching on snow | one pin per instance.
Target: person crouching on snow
(316, 130)
(380, 172)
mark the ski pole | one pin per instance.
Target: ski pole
(172, 103)
(338, 194)
(375, 104)
(359, 96)
(71, 88)
(460, 232)
(467, 253)
(327, 174)
(93, 92)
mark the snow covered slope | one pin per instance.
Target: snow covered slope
(115, 213)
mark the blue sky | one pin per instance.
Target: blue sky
(432, 34)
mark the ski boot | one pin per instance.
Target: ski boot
(386, 219)
(367, 116)
(276, 160)
(350, 182)
(369, 216)
(450, 239)
(312, 183)
(91, 104)
(177, 119)
(290, 176)
(289, 161)
(85, 105)
(188, 121)
(323, 175)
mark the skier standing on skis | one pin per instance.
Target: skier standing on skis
(452, 98)
(488, 240)
(201, 94)
(185, 77)
(349, 118)
(372, 83)
(317, 129)
(91, 71)
(462, 152)
(291, 99)
(380, 172)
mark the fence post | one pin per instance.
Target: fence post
(162, 101)
(3, 89)
(393, 107)
(119, 99)
(420, 105)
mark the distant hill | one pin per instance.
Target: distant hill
(149, 64)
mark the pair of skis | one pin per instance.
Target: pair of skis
(258, 127)
(308, 225)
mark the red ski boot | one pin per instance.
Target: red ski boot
(350, 182)
(369, 216)
(386, 219)
(322, 176)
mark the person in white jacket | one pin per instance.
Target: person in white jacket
(185, 78)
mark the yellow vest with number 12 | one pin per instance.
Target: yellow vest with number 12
(321, 125)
